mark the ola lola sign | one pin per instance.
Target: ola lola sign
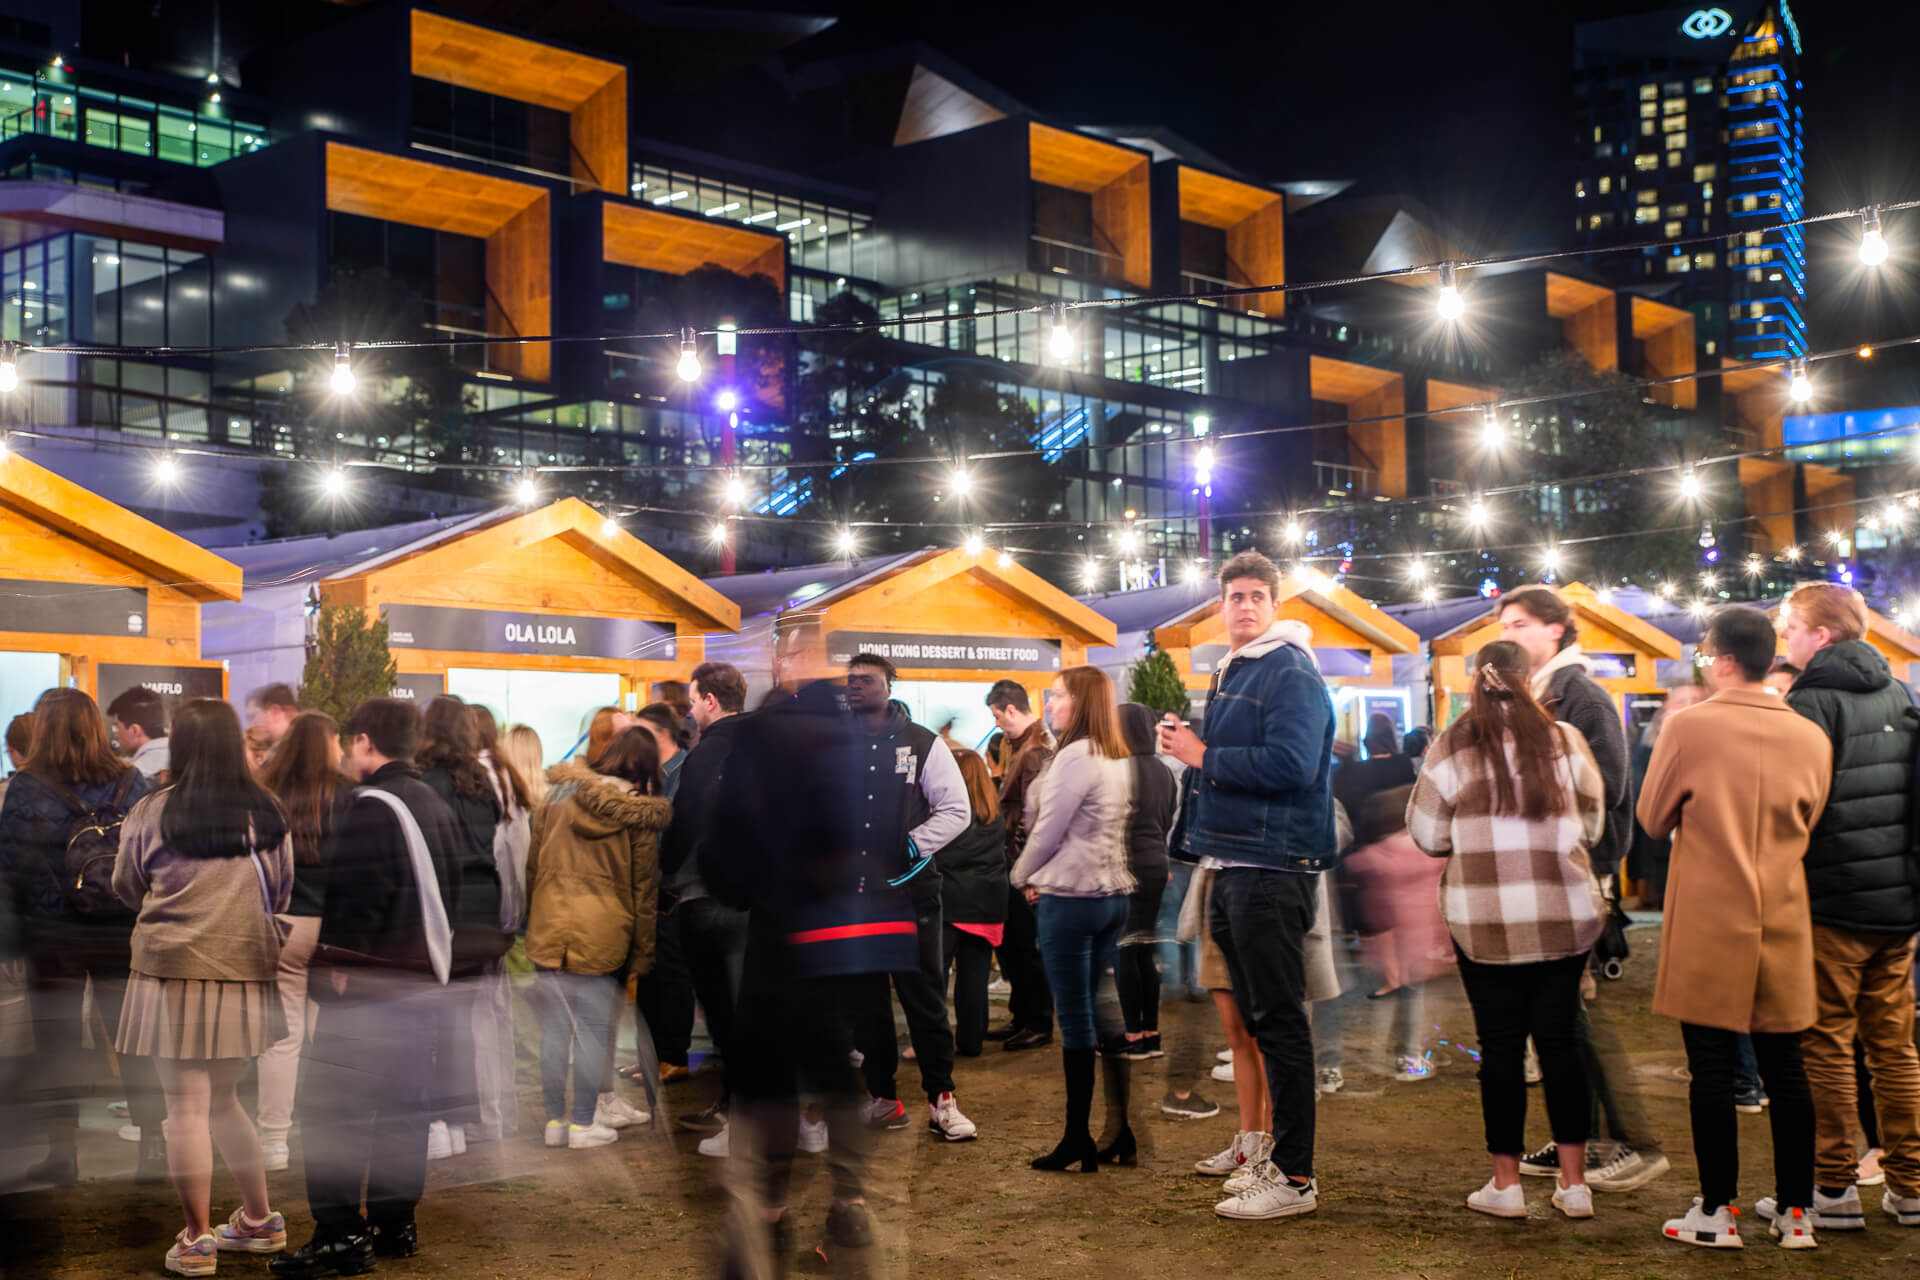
(415, 626)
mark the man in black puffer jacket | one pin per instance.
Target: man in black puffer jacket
(1864, 882)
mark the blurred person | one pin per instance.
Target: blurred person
(1416, 741)
(1513, 800)
(1646, 856)
(1544, 625)
(1073, 869)
(381, 963)
(1257, 807)
(1385, 768)
(1781, 677)
(19, 737)
(493, 1037)
(663, 997)
(139, 718)
(73, 931)
(1401, 887)
(973, 902)
(678, 694)
(207, 863)
(594, 871)
(1736, 941)
(1028, 748)
(259, 746)
(1155, 797)
(523, 749)
(271, 710)
(1865, 904)
(306, 775)
(669, 739)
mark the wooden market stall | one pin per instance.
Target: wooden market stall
(1622, 649)
(541, 615)
(97, 598)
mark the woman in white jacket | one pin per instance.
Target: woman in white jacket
(1074, 871)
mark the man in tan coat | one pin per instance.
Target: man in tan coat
(1740, 782)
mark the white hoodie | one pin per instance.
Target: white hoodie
(1283, 631)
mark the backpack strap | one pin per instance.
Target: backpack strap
(433, 912)
(125, 785)
(63, 793)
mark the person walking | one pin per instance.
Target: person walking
(1028, 746)
(663, 999)
(1513, 801)
(207, 863)
(271, 710)
(381, 964)
(595, 874)
(1405, 939)
(1257, 809)
(1865, 904)
(73, 931)
(973, 903)
(305, 776)
(1073, 870)
(1155, 797)
(1736, 939)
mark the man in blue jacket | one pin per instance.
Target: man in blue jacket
(1258, 810)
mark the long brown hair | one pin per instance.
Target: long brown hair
(301, 775)
(487, 730)
(635, 756)
(215, 806)
(448, 741)
(70, 742)
(1502, 708)
(981, 792)
(600, 732)
(1096, 713)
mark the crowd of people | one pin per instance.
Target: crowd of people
(334, 913)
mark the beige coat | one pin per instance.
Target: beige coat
(1739, 780)
(593, 875)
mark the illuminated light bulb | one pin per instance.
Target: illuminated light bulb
(1792, 554)
(1430, 594)
(736, 491)
(609, 527)
(1754, 566)
(1417, 570)
(527, 492)
(167, 472)
(1202, 424)
(1492, 434)
(1129, 541)
(843, 542)
(1689, 485)
(1833, 536)
(1203, 465)
(1698, 608)
(1799, 386)
(1006, 560)
(1866, 353)
(9, 367)
(1666, 591)
(1711, 581)
(1604, 595)
(1873, 243)
(1090, 574)
(975, 544)
(727, 401)
(1476, 513)
(1294, 532)
(1550, 561)
(689, 366)
(334, 483)
(717, 535)
(1060, 344)
(1194, 573)
(962, 483)
(1449, 304)
(342, 380)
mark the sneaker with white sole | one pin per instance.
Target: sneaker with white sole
(717, 1145)
(457, 1135)
(1223, 1072)
(1627, 1169)
(1191, 1107)
(1830, 1213)
(199, 1257)
(615, 1112)
(1227, 1163)
(1714, 1230)
(1575, 1201)
(1412, 1069)
(580, 1137)
(237, 1235)
(1499, 1202)
(128, 1133)
(1241, 1181)
(886, 1113)
(274, 1156)
(1270, 1196)
(439, 1141)
(1904, 1210)
(944, 1118)
(1793, 1229)
(556, 1135)
(1329, 1080)
(1544, 1163)
(813, 1138)
(1225, 1055)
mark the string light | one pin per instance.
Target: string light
(1006, 560)
(1449, 303)
(334, 483)
(1090, 574)
(1060, 344)
(1710, 580)
(1417, 570)
(1293, 533)
(975, 544)
(1477, 513)
(609, 527)
(844, 543)
(735, 491)
(1799, 386)
(961, 483)
(1492, 435)
(1129, 541)
(1194, 573)
(166, 472)
(9, 367)
(1604, 595)
(1754, 567)
(527, 492)
(1430, 594)
(1873, 244)
(1792, 554)
(1865, 353)
(1689, 485)
(1666, 591)
(1550, 560)
(342, 381)
(727, 401)
(717, 535)
(689, 366)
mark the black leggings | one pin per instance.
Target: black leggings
(1137, 976)
(1511, 1002)
(1716, 1134)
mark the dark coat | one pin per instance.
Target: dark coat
(1574, 697)
(477, 937)
(1155, 797)
(1861, 870)
(34, 824)
(693, 812)
(1358, 781)
(973, 874)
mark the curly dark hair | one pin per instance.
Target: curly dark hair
(449, 741)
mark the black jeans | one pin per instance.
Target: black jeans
(1511, 1002)
(1259, 919)
(663, 996)
(1030, 1000)
(1136, 973)
(923, 997)
(970, 959)
(363, 1105)
(60, 959)
(714, 940)
(1711, 1056)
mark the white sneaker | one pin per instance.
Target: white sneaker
(717, 1146)
(615, 1112)
(1793, 1229)
(1830, 1213)
(556, 1133)
(813, 1137)
(129, 1133)
(1627, 1169)
(944, 1118)
(582, 1136)
(1228, 1162)
(1223, 1072)
(274, 1156)
(1412, 1069)
(457, 1134)
(1708, 1230)
(1225, 1055)
(1329, 1080)
(1575, 1201)
(1904, 1210)
(1257, 1154)
(1271, 1196)
(439, 1141)
(1501, 1202)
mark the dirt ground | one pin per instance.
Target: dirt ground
(1395, 1163)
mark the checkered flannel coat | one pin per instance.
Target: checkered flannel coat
(1515, 891)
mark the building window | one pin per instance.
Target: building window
(1749, 203)
(1649, 92)
(1644, 216)
(1596, 133)
(1602, 151)
(1705, 172)
(1706, 195)
(1754, 237)
(1647, 160)
(1606, 185)
(1670, 230)
(1703, 84)
(1676, 211)
(1674, 124)
(1674, 88)
(1580, 190)
(1676, 265)
(1599, 221)
(1673, 159)
(1755, 275)
(1712, 346)
(1674, 107)
(1648, 110)
(1648, 196)
(1704, 262)
(1748, 132)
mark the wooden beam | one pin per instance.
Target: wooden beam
(598, 130)
(520, 290)
(1076, 161)
(439, 197)
(1123, 213)
(675, 243)
(506, 66)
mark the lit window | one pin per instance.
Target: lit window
(1646, 160)
(1595, 221)
(1649, 92)
(1749, 203)
(1706, 193)
(1646, 128)
(1596, 133)
(1711, 346)
(1773, 201)
(1676, 211)
(1580, 190)
(1673, 159)
(1754, 237)
(1606, 185)
(1674, 124)
(1703, 85)
(1646, 197)
(1705, 172)
(1755, 275)
(1641, 216)
(1704, 262)
(1670, 230)
(1648, 110)
(1674, 107)
(1676, 265)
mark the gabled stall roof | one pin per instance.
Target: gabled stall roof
(909, 575)
(1345, 606)
(56, 503)
(1587, 608)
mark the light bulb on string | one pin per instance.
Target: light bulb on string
(609, 527)
(1604, 595)
(1006, 560)
(717, 534)
(1129, 541)
(1194, 573)
(689, 366)
(1666, 591)
(735, 491)
(727, 401)
(1550, 560)
(342, 380)
(1293, 533)
(1477, 513)
(9, 367)
(333, 483)
(1429, 594)
(1090, 574)
(1060, 344)
(1799, 386)
(843, 542)
(527, 491)
(1873, 242)
(961, 483)
(1792, 554)
(1754, 567)
(1417, 570)
(1689, 485)
(1492, 434)
(166, 472)
(975, 544)
(1448, 303)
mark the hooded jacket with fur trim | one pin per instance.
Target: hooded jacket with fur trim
(593, 875)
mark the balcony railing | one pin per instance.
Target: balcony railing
(1076, 259)
(1341, 480)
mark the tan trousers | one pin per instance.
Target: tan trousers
(1863, 985)
(280, 1064)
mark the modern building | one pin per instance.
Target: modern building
(1689, 125)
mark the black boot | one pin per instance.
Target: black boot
(1076, 1144)
(1116, 1142)
(61, 1168)
(152, 1169)
(326, 1255)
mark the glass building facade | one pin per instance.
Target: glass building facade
(52, 105)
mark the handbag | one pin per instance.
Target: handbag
(282, 927)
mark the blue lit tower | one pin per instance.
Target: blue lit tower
(1766, 161)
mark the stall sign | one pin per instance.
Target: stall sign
(72, 608)
(416, 626)
(951, 653)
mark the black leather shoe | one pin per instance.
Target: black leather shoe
(61, 1168)
(396, 1240)
(849, 1226)
(1028, 1040)
(350, 1255)
(153, 1162)
(1002, 1033)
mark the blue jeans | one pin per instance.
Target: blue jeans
(1179, 961)
(576, 1020)
(1079, 941)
